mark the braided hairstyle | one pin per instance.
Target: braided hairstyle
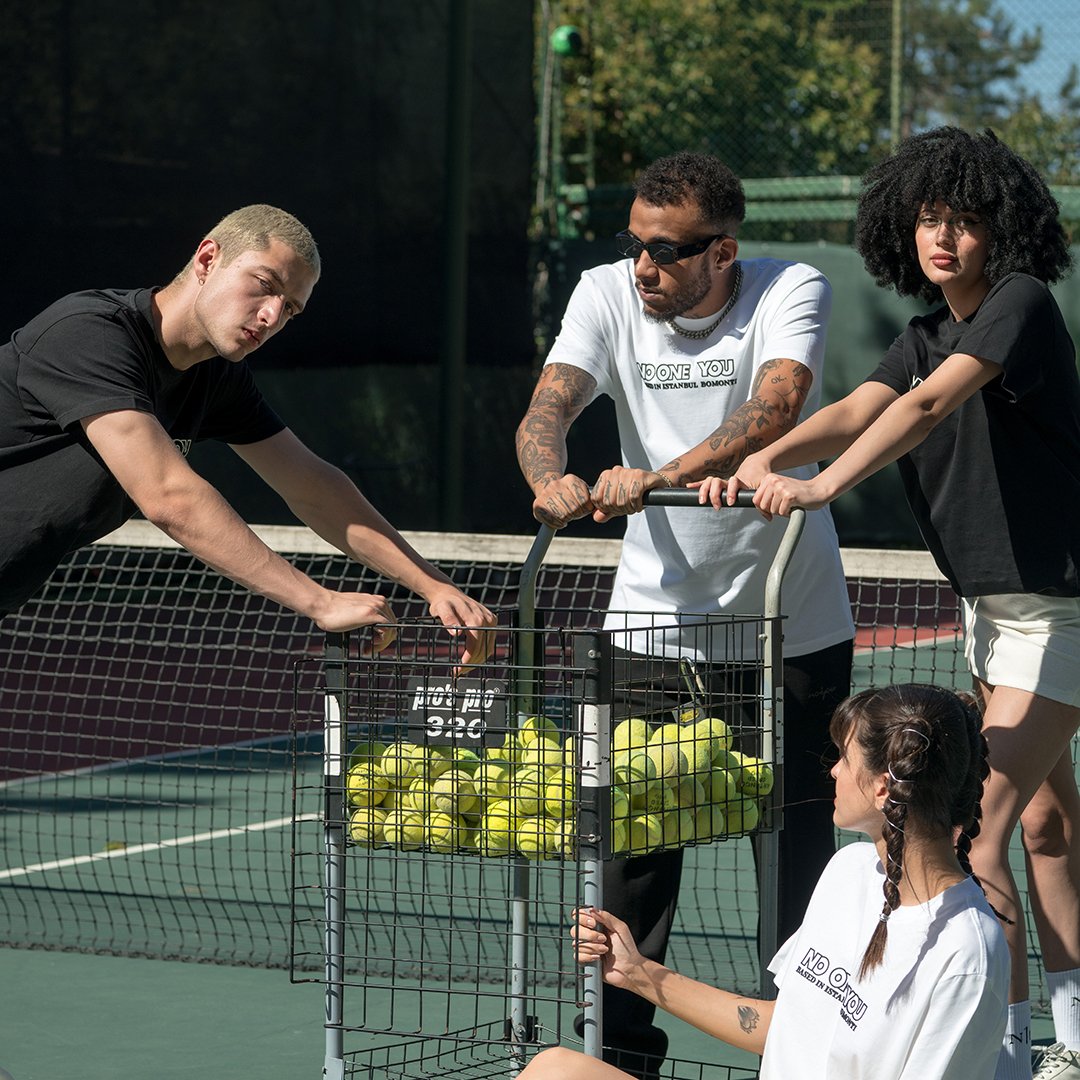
(973, 172)
(928, 742)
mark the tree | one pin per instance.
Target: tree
(800, 87)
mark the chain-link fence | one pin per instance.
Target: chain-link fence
(799, 97)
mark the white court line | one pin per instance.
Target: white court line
(159, 845)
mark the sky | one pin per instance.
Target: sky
(1060, 20)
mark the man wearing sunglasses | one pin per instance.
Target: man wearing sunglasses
(707, 358)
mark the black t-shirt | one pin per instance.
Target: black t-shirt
(89, 353)
(995, 486)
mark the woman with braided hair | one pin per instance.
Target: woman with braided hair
(978, 402)
(900, 969)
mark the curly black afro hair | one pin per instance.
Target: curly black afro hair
(973, 172)
(671, 181)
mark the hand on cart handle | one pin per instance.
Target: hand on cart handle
(599, 935)
(562, 500)
(619, 491)
(770, 492)
(464, 618)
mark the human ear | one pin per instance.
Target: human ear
(881, 789)
(206, 255)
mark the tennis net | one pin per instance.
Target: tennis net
(146, 765)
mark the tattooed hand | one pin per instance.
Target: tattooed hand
(619, 490)
(561, 500)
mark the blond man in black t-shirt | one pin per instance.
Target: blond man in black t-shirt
(102, 394)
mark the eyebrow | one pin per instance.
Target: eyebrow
(270, 272)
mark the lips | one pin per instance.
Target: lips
(254, 340)
(943, 262)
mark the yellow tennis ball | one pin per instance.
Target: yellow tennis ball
(631, 734)
(466, 759)
(562, 839)
(634, 772)
(453, 793)
(690, 793)
(493, 779)
(436, 761)
(366, 784)
(721, 787)
(533, 838)
(496, 834)
(678, 828)
(366, 826)
(503, 750)
(665, 735)
(754, 777)
(417, 797)
(669, 760)
(541, 753)
(404, 829)
(399, 763)
(620, 835)
(528, 791)
(741, 816)
(368, 752)
(537, 727)
(708, 822)
(646, 833)
(620, 803)
(699, 751)
(712, 727)
(559, 797)
(445, 832)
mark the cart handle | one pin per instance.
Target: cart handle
(744, 499)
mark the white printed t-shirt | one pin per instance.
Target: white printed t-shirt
(670, 393)
(934, 1010)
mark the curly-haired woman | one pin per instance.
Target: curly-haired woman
(979, 404)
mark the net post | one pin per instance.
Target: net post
(335, 654)
(592, 665)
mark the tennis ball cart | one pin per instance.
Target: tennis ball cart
(448, 822)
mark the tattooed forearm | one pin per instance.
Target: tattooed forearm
(777, 396)
(561, 393)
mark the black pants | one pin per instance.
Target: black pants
(644, 891)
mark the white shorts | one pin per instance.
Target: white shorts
(1026, 641)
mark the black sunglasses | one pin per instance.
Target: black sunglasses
(630, 247)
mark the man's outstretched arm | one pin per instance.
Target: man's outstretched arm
(561, 393)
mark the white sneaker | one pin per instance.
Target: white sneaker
(1057, 1063)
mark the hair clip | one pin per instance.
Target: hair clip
(915, 731)
(899, 779)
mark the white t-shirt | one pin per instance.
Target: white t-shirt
(935, 1008)
(670, 393)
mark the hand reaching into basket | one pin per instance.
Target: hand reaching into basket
(465, 618)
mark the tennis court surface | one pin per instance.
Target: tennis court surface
(147, 716)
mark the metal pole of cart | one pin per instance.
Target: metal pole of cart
(772, 719)
(334, 856)
(592, 663)
(521, 1027)
(592, 660)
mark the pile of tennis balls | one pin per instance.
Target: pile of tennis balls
(672, 785)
